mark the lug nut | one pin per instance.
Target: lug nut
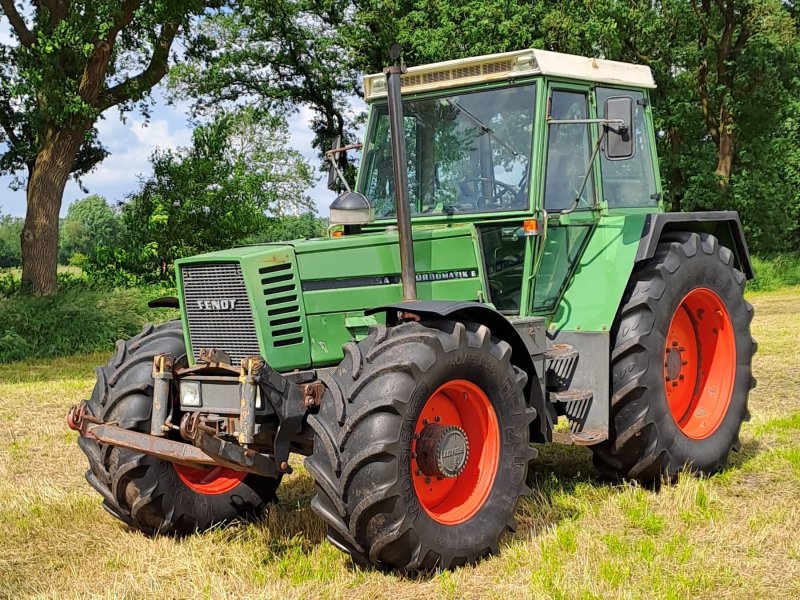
(417, 472)
(425, 421)
(427, 480)
(437, 419)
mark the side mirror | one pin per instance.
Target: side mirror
(332, 174)
(620, 133)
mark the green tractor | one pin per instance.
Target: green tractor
(502, 274)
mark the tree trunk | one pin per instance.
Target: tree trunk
(725, 153)
(45, 190)
(677, 181)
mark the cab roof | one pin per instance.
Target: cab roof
(509, 66)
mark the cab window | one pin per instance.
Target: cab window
(569, 149)
(629, 182)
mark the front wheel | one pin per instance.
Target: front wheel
(680, 362)
(153, 495)
(421, 446)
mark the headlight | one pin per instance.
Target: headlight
(190, 393)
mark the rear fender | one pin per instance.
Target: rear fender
(500, 327)
(723, 224)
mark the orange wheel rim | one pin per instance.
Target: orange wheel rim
(209, 481)
(458, 404)
(700, 363)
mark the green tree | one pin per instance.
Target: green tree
(276, 55)
(90, 223)
(71, 62)
(215, 193)
(10, 230)
(292, 227)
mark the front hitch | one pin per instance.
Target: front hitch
(290, 402)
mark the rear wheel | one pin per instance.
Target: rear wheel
(147, 493)
(681, 363)
(421, 446)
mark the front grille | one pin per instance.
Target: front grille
(209, 291)
(281, 289)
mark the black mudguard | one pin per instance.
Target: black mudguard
(724, 224)
(500, 326)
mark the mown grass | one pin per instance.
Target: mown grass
(733, 535)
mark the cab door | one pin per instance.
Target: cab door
(570, 191)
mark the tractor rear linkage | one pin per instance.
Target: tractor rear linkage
(290, 401)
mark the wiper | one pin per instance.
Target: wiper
(485, 128)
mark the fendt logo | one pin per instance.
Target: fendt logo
(217, 304)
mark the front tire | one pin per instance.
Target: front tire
(395, 396)
(149, 494)
(680, 363)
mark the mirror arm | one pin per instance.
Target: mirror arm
(621, 122)
(333, 154)
(595, 152)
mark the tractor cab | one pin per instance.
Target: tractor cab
(530, 148)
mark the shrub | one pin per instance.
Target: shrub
(74, 320)
(775, 271)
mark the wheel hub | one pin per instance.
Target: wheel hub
(442, 450)
(673, 364)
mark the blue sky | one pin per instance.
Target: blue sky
(131, 143)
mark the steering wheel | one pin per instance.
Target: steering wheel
(497, 196)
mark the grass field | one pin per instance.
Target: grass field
(730, 536)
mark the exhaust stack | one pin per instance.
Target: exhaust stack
(399, 165)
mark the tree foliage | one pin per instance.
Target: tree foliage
(10, 230)
(90, 223)
(69, 63)
(216, 192)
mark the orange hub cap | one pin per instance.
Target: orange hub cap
(455, 452)
(700, 363)
(209, 481)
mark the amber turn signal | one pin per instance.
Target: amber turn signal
(530, 227)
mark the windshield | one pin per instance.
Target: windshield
(466, 154)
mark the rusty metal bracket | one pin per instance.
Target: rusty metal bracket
(249, 379)
(162, 381)
(234, 456)
(91, 427)
(312, 394)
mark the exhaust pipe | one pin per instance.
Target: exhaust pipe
(408, 275)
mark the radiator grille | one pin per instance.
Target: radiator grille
(207, 289)
(281, 296)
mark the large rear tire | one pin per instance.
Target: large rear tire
(153, 495)
(680, 363)
(406, 403)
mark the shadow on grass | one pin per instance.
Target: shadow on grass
(563, 485)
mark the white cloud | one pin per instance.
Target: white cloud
(131, 145)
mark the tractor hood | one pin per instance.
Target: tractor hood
(296, 303)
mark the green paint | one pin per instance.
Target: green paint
(338, 279)
(595, 289)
